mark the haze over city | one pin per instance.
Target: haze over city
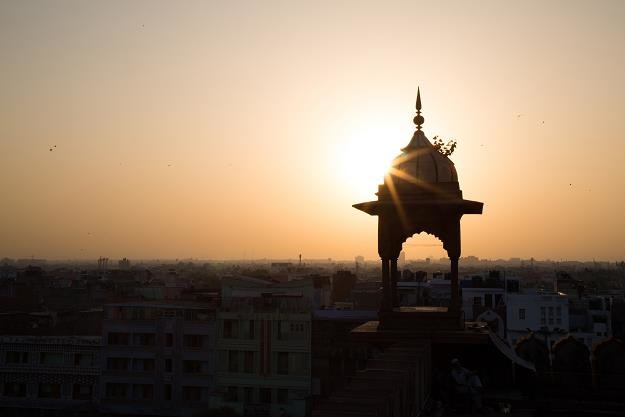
(247, 130)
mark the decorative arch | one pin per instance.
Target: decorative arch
(571, 363)
(609, 364)
(534, 350)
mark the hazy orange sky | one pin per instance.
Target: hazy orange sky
(231, 129)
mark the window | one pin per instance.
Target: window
(137, 313)
(232, 394)
(543, 316)
(12, 389)
(49, 390)
(550, 314)
(498, 298)
(83, 360)
(250, 329)
(193, 341)
(142, 391)
(521, 314)
(168, 365)
(116, 391)
(82, 392)
(168, 313)
(233, 361)
(488, 300)
(117, 364)
(167, 392)
(282, 396)
(231, 329)
(51, 358)
(297, 327)
(283, 363)
(248, 362)
(143, 365)
(248, 395)
(298, 363)
(116, 338)
(17, 357)
(144, 339)
(169, 339)
(477, 301)
(278, 326)
(264, 395)
(193, 367)
(192, 393)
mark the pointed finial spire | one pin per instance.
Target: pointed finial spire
(418, 99)
(418, 119)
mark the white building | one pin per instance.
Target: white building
(546, 313)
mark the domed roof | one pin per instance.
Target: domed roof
(422, 162)
(421, 165)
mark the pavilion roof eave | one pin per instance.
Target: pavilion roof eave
(375, 208)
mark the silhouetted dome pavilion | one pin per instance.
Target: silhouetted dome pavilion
(420, 194)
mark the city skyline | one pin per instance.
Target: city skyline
(222, 131)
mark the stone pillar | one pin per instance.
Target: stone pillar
(394, 273)
(386, 286)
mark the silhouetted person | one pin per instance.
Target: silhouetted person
(467, 385)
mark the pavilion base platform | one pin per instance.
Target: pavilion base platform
(414, 327)
(414, 318)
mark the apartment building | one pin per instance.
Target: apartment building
(590, 318)
(57, 375)
(546, 313)
(158, 358)
(264, 347)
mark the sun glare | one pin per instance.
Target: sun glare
(364, 156)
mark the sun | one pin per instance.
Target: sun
(364, 155)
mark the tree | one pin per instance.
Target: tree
(444, 148)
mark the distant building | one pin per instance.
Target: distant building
(590, 319)
(264, 347)
(49, 373)
(335, 356)
(343, 283)
(123, 263)
(484, 299)
(546, 313)
(158, 358)
(360, 261)
(440, 289)
(401, 260)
